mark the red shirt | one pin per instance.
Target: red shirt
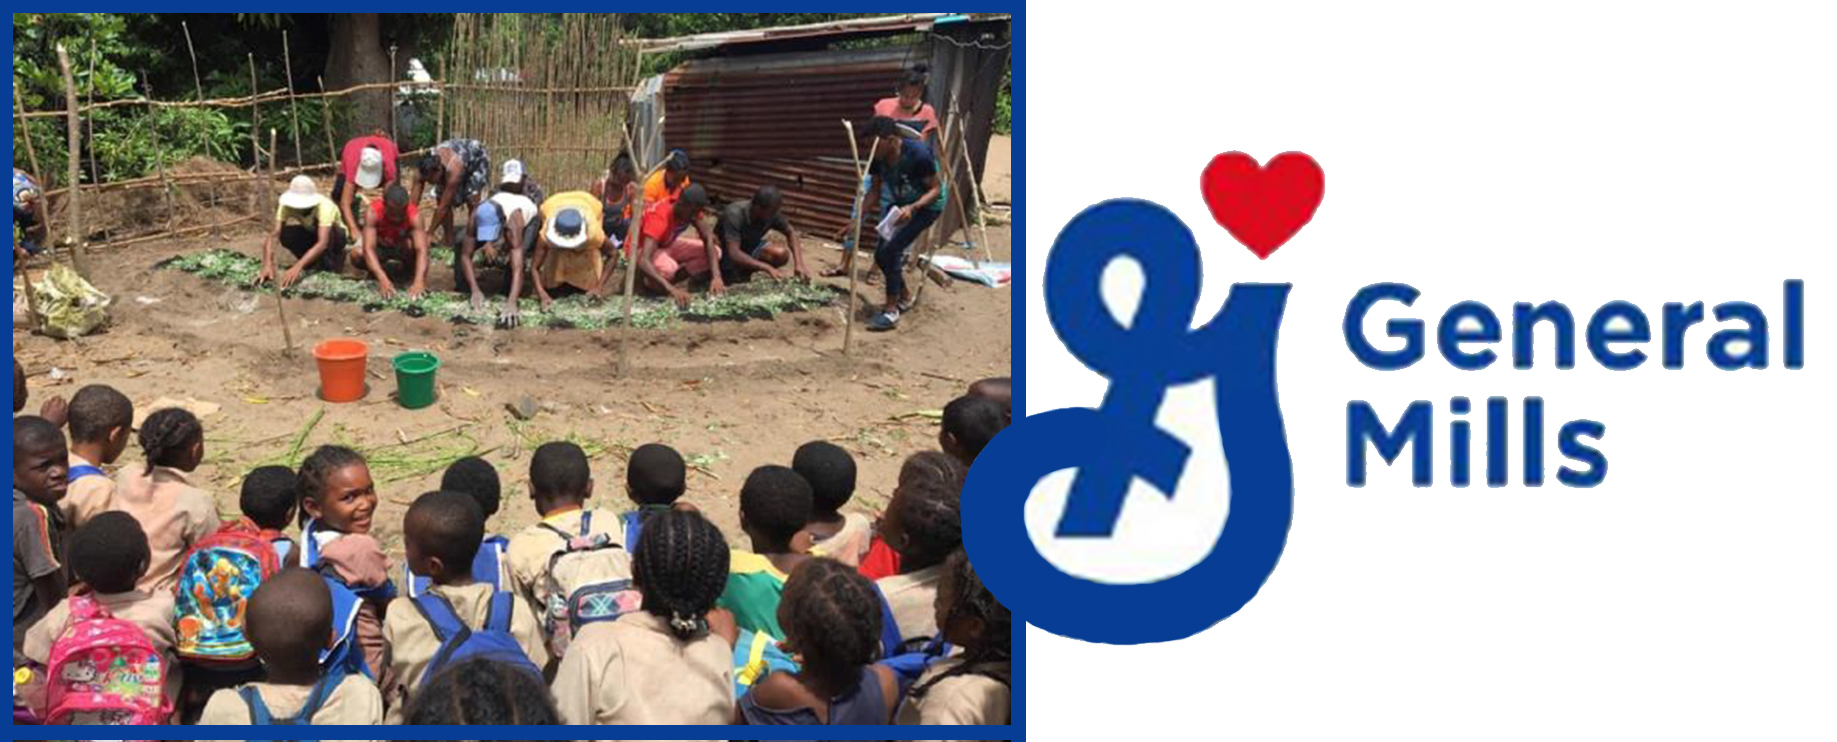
(926, 117)
(660, 224)
(388, 232)
(354, 151)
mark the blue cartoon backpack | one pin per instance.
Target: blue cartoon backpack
(459, 642)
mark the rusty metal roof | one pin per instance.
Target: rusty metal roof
(750, 121)
(833, 30)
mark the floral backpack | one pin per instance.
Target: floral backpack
(103, 670)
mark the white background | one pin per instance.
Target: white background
(1546, 151)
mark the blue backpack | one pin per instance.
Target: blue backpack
(344, 656)
(458, 642)
(488, 567)
(634, 522)
(260, 716)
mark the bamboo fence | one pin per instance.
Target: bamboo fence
(551, 94)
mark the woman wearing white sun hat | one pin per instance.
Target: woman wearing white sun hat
(307, 224)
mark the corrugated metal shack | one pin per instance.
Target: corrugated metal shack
(768, 107)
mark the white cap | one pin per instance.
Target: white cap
(370, 168)
(513, 172)
(301, 193)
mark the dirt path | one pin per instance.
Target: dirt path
(729, 396)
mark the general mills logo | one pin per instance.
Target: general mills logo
(1119, 441)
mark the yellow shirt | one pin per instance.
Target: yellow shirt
(579, 267)
(325, 214)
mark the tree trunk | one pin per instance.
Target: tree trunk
(357, 56)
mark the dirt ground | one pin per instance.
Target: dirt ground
(729, 396)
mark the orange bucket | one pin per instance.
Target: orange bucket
(342, 362)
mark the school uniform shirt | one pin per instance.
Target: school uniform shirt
(413, 642)
(87, 496)
(530, 550)
(911, 597)
(38, 550)
(579, 267)
(754, 588)
(355, 701)
(174, 514)
(635, 671)
(964, 699)
(152, 612)
(849, 544)
(358, 559)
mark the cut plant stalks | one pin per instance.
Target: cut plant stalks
(760, 298)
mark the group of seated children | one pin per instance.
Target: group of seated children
(133, 604)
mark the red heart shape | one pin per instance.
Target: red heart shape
(1263, 206)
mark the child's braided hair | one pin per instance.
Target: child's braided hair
(319, 467)
(681, 568)
(167, 434)
(930, 511)
(969, 598)
(833, 616)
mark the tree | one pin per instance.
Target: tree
(358, 56)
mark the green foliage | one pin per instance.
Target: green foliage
(757, 299)
(1004, 105)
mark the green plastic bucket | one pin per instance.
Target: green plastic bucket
(414, 379)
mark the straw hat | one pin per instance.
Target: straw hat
(301, 193)
(568, 230)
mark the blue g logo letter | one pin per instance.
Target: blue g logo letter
(1119, 441)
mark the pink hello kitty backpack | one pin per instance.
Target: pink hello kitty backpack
(104, 671)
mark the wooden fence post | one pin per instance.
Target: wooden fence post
(255, 135)
(325, 110)
(293, 104)
(198, 85)
(25, 131)
(76, 145)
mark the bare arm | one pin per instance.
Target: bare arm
(344, 209)
(737, 253)
(715, 284)
(293, 274)
(467, 245)
(536, 261)
(419, 237)
(516, 225)
(933, 188)
(797, 252)
(646, 248)
(375, 264)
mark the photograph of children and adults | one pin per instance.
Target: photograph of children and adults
(507, 368)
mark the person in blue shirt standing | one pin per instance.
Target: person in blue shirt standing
(908, 170)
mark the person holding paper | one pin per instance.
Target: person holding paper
(909, 171)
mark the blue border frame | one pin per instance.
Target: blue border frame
(1015, 731)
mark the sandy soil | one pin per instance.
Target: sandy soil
(997, 176)
(732, 396)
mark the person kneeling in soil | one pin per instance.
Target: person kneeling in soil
(573, 246)
(458, 169)
(393, 234)
(307, 224)
(666, 257)
(29, 216)
(505, 230)
(741, 229)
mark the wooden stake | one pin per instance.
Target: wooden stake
(982, 223)
(637, 219)
(440, 127)
(19, 107)
(76, 143)
(255, 138)
(273, 155)
(196, 82)
(280, 307)
(392, 78)
(963, 217)
(861, 168)
(325, 111)
(95, 173)
(293, 105)
(159, 160)
(198, 85)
